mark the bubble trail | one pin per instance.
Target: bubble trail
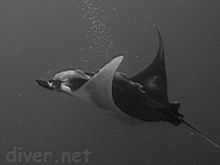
(96, 28)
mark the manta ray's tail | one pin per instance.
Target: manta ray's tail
(202, 134)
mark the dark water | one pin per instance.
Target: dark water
(39, 38)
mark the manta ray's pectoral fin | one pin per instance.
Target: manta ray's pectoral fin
(98, 90)
(153, 78)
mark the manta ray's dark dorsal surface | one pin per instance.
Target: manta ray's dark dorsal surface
(150, 102)
(154, 78)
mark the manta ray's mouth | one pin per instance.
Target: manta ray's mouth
(44, 84)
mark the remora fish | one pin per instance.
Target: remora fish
(143, 96)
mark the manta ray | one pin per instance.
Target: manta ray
(142, 97)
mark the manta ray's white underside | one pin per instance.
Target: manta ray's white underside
(98, 90)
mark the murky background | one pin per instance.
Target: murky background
(39, 38)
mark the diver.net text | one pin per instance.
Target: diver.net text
(19, 155)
